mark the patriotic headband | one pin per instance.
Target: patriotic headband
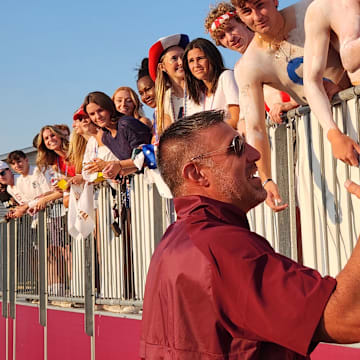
(220, 20)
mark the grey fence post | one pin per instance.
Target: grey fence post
(12, 267)
(291, 187)
(5, 271)
(89, 285)
(43, 296)
(284, 145)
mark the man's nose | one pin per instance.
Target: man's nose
(257, 14)
(229, 36)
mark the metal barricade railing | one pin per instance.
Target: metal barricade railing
(309, 180)
(280, 228)
(27, 257)
(50, 263)
(331, 231)
(123, 260)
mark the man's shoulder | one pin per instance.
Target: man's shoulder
(318, 11)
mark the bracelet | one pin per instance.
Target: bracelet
(266, 181)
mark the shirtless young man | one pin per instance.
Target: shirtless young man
(275, 57)
(325, 25)
(228, 31)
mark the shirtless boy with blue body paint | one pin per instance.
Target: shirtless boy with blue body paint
(275, 57)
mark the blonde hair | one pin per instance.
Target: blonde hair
(46, 157)
(162, 83)
(138, 110)
(75, 154)
(216, 11)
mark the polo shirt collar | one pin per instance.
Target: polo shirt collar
(201, 206)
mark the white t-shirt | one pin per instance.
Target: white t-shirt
(173, 105)
(15, 193)
(27, 188)
(227, 93)
(93, 151)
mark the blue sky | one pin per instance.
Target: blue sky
(54, 53)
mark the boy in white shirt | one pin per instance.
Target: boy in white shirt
(31, 188)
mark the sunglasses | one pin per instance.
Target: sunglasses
(2, 173)
(237, 146)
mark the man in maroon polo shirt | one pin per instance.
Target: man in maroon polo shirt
(215, 290)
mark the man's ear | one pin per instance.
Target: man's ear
(194, 175)
(276, 2)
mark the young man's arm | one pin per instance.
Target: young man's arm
(279, 108)
(317, 34)
(251, 99)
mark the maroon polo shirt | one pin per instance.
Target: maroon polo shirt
(215, 290)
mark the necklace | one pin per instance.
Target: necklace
(277, 45)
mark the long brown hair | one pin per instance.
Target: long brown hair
(103, 100)
(197, 87)
(46, 157)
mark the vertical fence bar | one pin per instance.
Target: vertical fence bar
(42, 241)
(89, 285)
(282, 179)
(5, 271)
(12, 267)
(291, 189)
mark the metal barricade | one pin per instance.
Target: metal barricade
(328, 212)
(131, 218)
(124, 258)
(311, 180)
(27, 257)
(280, 228)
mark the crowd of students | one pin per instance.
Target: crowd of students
(179, 78)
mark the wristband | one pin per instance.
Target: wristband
(266, 181)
